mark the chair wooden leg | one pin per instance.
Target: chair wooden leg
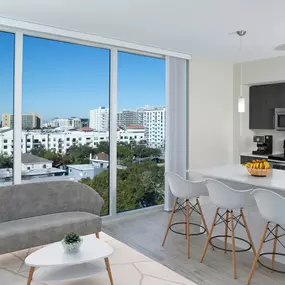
(209, 236)
(185, 221)
(257, 254)
(248, 232)
(170, 221)
(187, 228)
(274, 247)
(202, 216)
(233, 245)
(97, 235)
(31, 273)
(109, 270)
(226, 230)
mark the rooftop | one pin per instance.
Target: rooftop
(81, 167)
(28, 158)
(8, 172)
(5, 129)
(86, 129)
(135, 127)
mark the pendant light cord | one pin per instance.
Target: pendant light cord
(241, 58)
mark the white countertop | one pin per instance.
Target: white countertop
(254, 155)
(238, 173)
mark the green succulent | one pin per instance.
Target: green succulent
(72, 238)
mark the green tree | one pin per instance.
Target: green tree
(50, 154)
(38, 150)
(79, 154)
(6, 161)
(138, 186)
(100, 183)
(102, 147)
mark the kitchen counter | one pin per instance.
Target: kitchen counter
(238, 173)
(254, 155)
(236, 176)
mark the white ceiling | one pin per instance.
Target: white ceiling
(197, 27)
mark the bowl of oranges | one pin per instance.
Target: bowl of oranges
(258, 167)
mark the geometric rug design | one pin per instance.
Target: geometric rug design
(128, 266)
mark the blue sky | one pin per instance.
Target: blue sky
(62, 79)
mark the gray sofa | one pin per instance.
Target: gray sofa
(40, 213)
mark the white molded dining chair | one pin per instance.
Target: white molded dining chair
(229, 200)
(185, 190)
(272, 208)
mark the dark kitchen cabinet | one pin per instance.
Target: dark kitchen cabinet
(263, 99)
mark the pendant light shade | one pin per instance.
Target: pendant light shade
(241, 104)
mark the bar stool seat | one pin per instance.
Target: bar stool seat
(272, 208)
(228, 200)
(185, 190)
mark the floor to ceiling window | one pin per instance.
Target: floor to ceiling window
(141, 122)
(65, 113)
(65, 129)
(7, 47)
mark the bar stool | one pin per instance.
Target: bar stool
(272, 208)
(186, 190)
(228, 200)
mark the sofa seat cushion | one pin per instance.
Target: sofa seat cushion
(40, 230)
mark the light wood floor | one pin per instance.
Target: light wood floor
(145, 233)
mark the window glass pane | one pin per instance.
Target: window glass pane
(141, 131)
(7, 42)
(66, 114)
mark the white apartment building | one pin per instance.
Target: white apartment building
(133, 133)
(99, 119)
(152, 118)
(60, 141)
(154, 121)
(70, 123)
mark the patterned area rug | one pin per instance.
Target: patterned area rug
(128, 266)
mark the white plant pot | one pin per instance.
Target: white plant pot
(71, 247)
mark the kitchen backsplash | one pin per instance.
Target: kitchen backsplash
(248, 145)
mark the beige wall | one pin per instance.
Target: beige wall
(210, 113)
(255, 72)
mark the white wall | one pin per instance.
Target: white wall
(210, 113)
(34, 166)
(255, 72)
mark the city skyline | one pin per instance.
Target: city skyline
(63, 80)
(84, 117)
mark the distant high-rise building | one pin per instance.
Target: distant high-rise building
(84, 122)
(69, 123)
(154, 120)
(99, 119)
(75, 123)
(60, 123)
(29, 121)
(140, 112)
(6, 120)
(127, 118)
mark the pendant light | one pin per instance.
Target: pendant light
(241, 99)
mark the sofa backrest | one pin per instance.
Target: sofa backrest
(35, 199)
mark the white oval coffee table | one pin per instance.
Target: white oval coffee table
(52, 265)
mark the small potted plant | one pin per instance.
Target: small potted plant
(71, 242)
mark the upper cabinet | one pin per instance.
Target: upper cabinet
(263, 99)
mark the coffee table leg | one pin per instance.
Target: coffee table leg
(32, 270)
(109, 270)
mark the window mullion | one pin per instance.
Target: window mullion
(113, 131)
(18, 66)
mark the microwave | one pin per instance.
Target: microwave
(279, 119)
